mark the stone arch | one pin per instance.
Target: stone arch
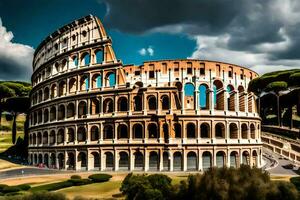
(152, 105)
(108, 105)
(71, 135)
(52, 160)
(46, 115)
(99, 55)
(234, 159)
(45, 138)
(109, 160)
(40, 159)
(71, 161)
(70, 110)
(61, 160)
(108, 132)
(166, 161)
(165, 102)
(252, 131)
(72, 85)
(165, 128)
(138, 103)
(254, 158)
(189, 91)
(94, 133)
(230, 98)
(84, 82)
(61, 112)
(177, 130)
(138, 161)
(220, 159)
(52, 137)
(46, 93)
(82, 160)
(110, 79)
(203, 96)
(95, 106)
(206, 160)
(123, 161)
(122, 104)
(40, 96)
(241, 91)
(53, 91)
(153, 161)
(95, 160)
(218, 91)
(205, 130)
(52, 113)
(81, 134)
(220, 130)
(152, 130)
(40, 116)
(62, 88)
(46, 160)
(123, 131)
(82, 109)
(191, 130)
(177, 161)
(96, 81)
(39, 138)
(244, 130)
(85, 59)
(233, 131)
(192, 161)
(138, 131)
(60, 136)
(246, 158)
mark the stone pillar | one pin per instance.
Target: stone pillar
(102, 160)
(184, 159)
(200, 161)
(236, 101)
(65, 161)
(116, 168)
(146, 158)
(246, 102)
(171, 160)
(161, 160)
(211, 100)
(131, 160)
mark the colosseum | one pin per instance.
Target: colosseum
(91, 112)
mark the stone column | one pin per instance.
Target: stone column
(146, 158)
(171, 160)
(184, 159)
(161, 160)
(116, 168)
(131, 160)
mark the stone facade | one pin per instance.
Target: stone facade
(91, 112)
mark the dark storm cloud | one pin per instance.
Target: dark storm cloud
(249, 24)
(11, 70)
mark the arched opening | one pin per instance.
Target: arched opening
(61, 112)
(138, 131)
(39, 138)
(72, 85)
(108, 132)
(40, 116)
(123, 161)
(234, 159)
(61, 161)
(177, 130)
(122, 104)
(52, 137)
(206, 160)
(189, 90)
(204, 130)
(52, 161)
(40, 159)
(246, 158)
(177, 161)
(241, 98)
(122, 131)
(252, 131)
(191, 130)
(166, 132)
(244, 131)
(53, 91)
(192, 161)
(233, 131)
(35, 159)
(165, 102)
(203, 96)
(153, 161)
(109, 161)
(254, 159)
(71, 161)
(45, 138)
(95, 106)
(152, 131)
(230, 98)
(97, 81)
(46, 160)
(71, 135)
(82, 161)
(108, 106)
(166, 162)
(46, 93)
(99, 56)
(62, 88)
(138, 161)
(110, 79)
(81, 134)
(138, 105)
(84, 83)
(220, 130)
(40, 96)
(218, 91)
(75, 61)
(52, 113)
(220, 159)
(96, 160)
(70, 110)
(94, 133)
(85, 59)
(46, 115)
(60, 136)
(82, 108)
(152, 103)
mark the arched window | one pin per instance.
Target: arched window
(124, 161)
(177, 129)
(109, 160)
(165, 102)
(230, 98)
(81, 134)
(95, 160)
(45, 138)
(152, 103)
(153, 161)
(206, 160)
(192, 161)
(252, 131)
(61, 112)
(138, 161)
(85, 59)
(99, 56)
(94, 133)
(177, 161)
(82, 109)
(108, 106)
(205, 130)
(71, 135)
(220, 130)
(53, 91)
(84, 83)
(191, 130)
(244, 131)
(152, 131)
(75, 61)
(241, 98)
(138, 131)
(52, 137)
(122, 131)
(220, 159)
(46, 94)
(82, 160)
(72, 85)
(233, 131)
(138, 105)
(108, 132)
(52, 113)
(203, 96)
(122, 104)
(60, 136)
(95, 106)
(234, 159)
(60, 159)
(110, 79)
(97, 81)
(189, 89)
(39, 138)
(70, 110)
(218, 95)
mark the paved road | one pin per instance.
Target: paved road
(274, 164)
(26, 171)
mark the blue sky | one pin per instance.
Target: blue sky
(259, 34)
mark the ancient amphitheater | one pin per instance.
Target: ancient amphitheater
(91, 112)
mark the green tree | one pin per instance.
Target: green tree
(5, 92)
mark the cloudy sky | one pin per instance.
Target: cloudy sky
(260, 34)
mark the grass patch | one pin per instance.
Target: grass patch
(6, 164)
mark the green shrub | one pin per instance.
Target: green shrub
(44, 196)
(296, 182)
(97, 178)
(52, 186)
(77, 182)
(2, 186)
(277, 86)
(9, 189)
(75, 177)
(24, 187)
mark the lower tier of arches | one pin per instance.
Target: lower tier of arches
(146, 159)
